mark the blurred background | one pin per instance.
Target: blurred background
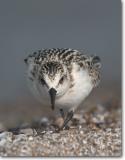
(29, 25)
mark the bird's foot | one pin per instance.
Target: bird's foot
(66, 121)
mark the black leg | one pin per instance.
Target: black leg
(68, 118)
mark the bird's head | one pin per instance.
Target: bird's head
(55, 79)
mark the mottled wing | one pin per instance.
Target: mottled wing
(94, 66)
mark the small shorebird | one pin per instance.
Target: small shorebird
(62, 78)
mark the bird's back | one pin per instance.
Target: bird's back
(68, 57)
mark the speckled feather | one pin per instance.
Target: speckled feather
(56, 56)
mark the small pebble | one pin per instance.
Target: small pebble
(30, 138)
(98, 135)
(81, 132)
(27, 131)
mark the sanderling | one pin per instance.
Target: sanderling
(62, 78)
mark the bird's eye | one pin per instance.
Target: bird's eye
(62, 80)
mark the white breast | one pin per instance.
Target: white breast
(81, 89)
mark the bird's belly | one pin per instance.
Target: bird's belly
(76, 95)
(69, 101)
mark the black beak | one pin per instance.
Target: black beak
(52, 93)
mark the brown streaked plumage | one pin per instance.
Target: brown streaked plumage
(57, 57)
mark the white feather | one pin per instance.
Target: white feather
(81, 89)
